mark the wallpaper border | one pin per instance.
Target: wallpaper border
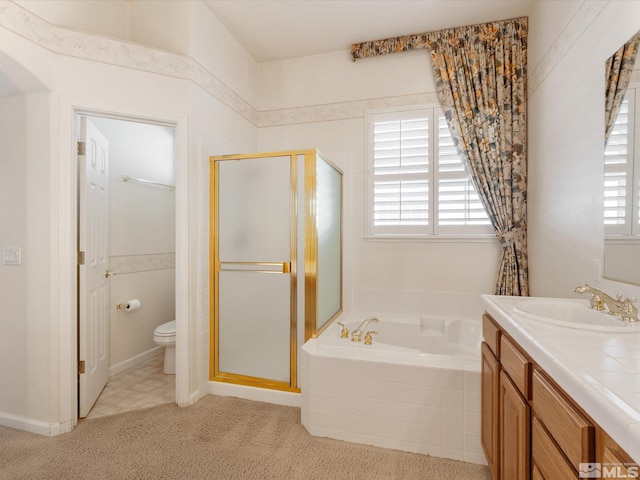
(96, 48)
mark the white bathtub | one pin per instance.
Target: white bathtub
(410, 334)
(416, 388)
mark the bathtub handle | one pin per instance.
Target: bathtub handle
(367, 337)
(344, 333)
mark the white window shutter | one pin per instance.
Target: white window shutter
(400, 167)
(618, 173)
(406, 196)
(458, 202)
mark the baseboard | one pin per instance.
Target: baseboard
(130, 362)
(278, 397)
(30, 425)
(194, 397)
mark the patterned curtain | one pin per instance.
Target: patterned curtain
(480, 73)
(618, 69)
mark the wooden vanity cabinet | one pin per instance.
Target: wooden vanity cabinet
(531, 429)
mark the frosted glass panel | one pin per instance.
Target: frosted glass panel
(254, 324)
(254, 210)
(329, 225)
(254, 227)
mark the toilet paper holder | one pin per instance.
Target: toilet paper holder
(129, 305)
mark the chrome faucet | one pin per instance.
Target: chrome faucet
(357, 333)
(625, 309)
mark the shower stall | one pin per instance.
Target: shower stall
(276, 262)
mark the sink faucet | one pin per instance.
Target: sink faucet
(624, 309)
(357, 333)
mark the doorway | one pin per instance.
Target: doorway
(139, 233)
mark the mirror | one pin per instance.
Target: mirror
(622, 164)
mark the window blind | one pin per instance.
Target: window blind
(400, 169)
(617, 171)
(410, 193)
(458, 201)
(622, 171)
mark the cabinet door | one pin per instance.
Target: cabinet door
(547, 461)
(515, 418)
(612, 457)
(490, 409)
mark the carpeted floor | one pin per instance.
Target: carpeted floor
(221, 438)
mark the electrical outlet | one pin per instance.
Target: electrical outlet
(12, 256)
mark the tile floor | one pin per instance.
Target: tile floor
(142, 386)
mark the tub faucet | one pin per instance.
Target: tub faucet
(357, 333)
(625, 309)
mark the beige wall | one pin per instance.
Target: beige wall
(323, 100)
(321, 106)
(320, 101)
(38, 379)
(103, 17)
(566, 139)
(13, 233)
(25, 223)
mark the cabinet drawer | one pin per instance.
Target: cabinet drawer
(571, 430)
(546, 460)
(517, 366)
(491, 334)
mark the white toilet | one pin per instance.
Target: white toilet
(165, 336)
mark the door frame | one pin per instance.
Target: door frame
(65, 205)
(215, 374)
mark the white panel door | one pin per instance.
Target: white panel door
(93, 236)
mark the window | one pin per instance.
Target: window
(622, 171)
(417, 184)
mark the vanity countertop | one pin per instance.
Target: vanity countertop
(599, 370)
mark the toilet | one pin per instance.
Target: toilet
(165, 336)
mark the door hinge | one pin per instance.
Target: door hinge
(82, 148)
(81, 367)
(80, 258)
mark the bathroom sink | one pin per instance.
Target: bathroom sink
(573, 314)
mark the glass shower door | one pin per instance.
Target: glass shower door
(255, 287)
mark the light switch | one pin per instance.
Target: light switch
(12, 256)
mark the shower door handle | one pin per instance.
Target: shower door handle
(255, 267)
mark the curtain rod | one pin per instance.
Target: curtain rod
(127, 178)
(415, 41)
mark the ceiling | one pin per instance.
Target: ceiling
(273, 30)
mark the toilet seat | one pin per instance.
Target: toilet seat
(166, 329)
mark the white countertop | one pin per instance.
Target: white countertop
(599, 370)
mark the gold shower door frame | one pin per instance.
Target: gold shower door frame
(290, 268)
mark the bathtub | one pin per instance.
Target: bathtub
(415, 388)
